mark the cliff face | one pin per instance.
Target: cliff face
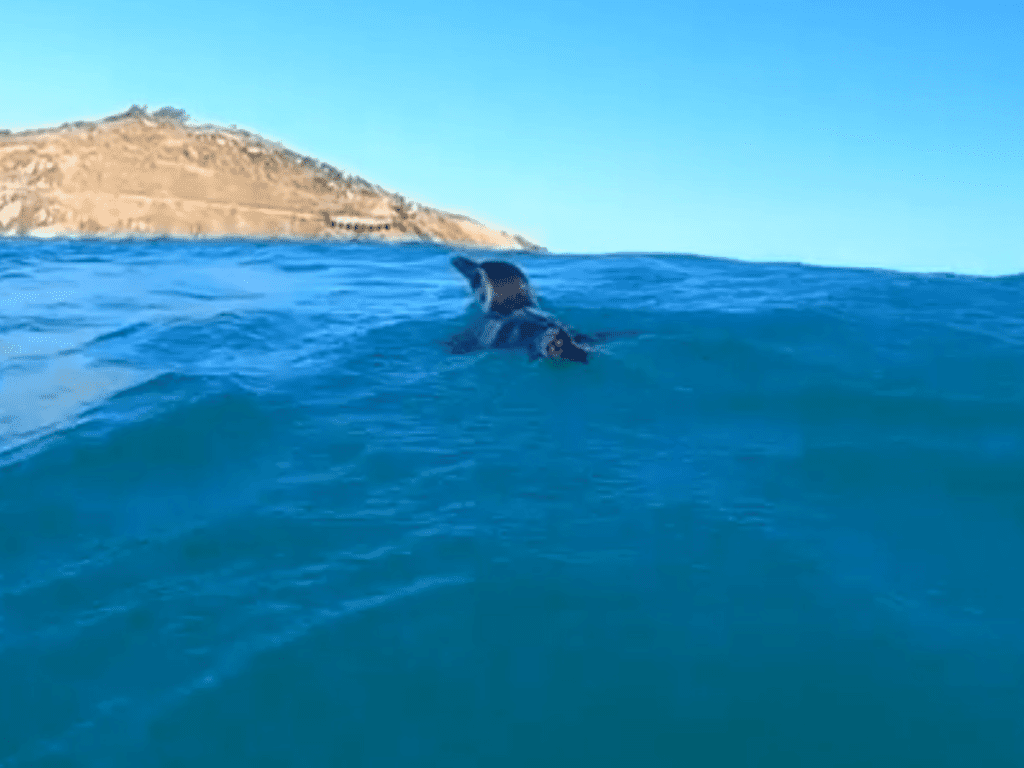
(138, 173)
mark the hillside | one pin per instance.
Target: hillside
(154, 174)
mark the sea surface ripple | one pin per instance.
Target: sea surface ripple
(253, 513)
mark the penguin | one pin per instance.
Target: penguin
(512, 318)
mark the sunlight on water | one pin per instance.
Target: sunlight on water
(51, 392)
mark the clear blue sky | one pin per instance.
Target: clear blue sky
(858, 133)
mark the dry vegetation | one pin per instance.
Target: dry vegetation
(153, 174)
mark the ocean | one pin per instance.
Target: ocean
(254, 513)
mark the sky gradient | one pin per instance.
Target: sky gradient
(860, 134)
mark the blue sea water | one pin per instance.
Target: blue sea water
(253, 513)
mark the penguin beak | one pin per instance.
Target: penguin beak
(467, 267)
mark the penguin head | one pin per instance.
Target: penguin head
(497, 285)
(509, 289)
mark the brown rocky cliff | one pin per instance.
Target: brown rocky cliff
(152, 174)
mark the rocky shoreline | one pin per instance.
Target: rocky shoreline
(153, 174)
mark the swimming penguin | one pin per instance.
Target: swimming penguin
(511, 316)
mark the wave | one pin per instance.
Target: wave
(789, 480)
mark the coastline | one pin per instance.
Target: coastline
(139, 174)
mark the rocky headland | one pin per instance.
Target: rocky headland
(153, 174)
